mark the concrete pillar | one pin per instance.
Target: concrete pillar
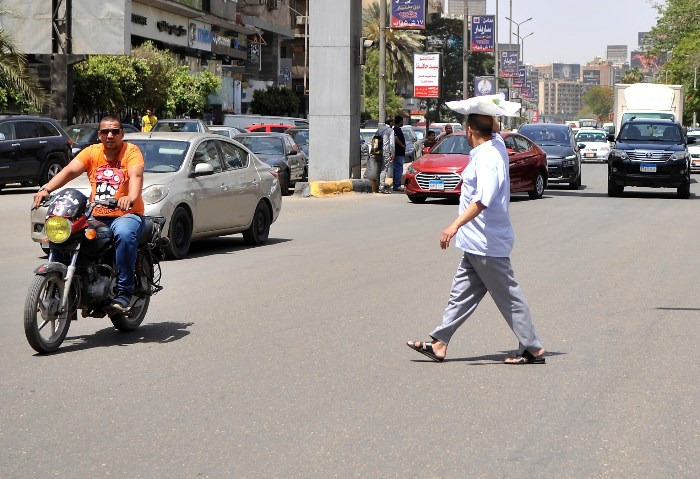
(335, 28)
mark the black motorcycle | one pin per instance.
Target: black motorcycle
(81, 272)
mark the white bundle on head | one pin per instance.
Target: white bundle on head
(491, 105)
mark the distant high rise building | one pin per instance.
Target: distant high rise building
(641, 42)
(455, 8)
(617, 54)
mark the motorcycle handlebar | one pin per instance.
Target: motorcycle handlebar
(109, 203)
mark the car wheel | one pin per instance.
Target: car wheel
(614, 189)
(683, 191)
(52, 168)
(306, 173)
(179, 234)
(416, 199)
(259, 229)
(576, 184)
(537, 193)
(284, 182)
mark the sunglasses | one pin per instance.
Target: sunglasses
(113, 131)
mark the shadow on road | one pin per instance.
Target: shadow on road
(678, 309)
(485, 360)
(662, 193)
(225, 244)
(163, 332)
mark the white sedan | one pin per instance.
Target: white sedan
(597, 146)
(694, 151)
(204, 185)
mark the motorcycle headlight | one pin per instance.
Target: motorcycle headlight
(620, 154)
(679, 155)
(154, 193)
(57, 229)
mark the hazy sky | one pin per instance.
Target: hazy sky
(574, 31)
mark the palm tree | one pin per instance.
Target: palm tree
(400, 45)
(13, 69)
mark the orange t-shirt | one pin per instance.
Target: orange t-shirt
(111, 180)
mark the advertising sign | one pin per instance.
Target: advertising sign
(408, 14)
(519, 81)
(200, 36)
(484, 86)
(426, 75)
(644, 61)
(149, 22)
(566, 71)
(591, 77)
(509, 64)
(483, 33)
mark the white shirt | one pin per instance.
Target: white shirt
(486, 179)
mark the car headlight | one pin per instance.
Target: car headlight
(620, 154)
(411, 170)
(57, 229)
(679, 155)
(604, 149)
(569, 161)
(154, 193)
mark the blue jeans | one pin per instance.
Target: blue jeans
(398, 171)
(126, 230)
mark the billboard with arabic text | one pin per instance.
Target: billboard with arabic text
(426, 75)
(408, 14)
(483, 33)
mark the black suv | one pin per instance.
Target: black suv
(649, 152)
(32, 150)
(563, 154)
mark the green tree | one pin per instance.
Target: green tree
(275, 101)
(599, 101)
(394, 103)
(105, 83)
(189, 94)
(632, 76)
(17, 82)
(400, 46)
(156, 71)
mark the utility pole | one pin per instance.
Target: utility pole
(465, 52)
(382, 62)
(495, 45)
(695, 92)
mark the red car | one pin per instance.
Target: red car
(268, 128)
(438, 173)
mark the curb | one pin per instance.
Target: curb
(319, 189)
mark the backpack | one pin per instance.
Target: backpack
(377, 146)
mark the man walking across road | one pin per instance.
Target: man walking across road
(399, 153)
(485, 234)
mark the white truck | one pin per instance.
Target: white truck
(647, 100)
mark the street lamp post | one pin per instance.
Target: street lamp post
(306, 39)
(695, 93)
(517, 29)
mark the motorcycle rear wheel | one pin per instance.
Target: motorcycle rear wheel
(131, 321)
(41, 311)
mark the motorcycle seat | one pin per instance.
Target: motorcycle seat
(149, 224)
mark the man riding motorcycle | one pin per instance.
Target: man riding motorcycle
(115, 170)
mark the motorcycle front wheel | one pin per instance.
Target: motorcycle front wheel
(44, 327)
(132, 320)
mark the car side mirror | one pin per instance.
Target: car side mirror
(203, 169)
(581, 146)
(2, 136)
(611, 137)
(293, 151)
(426, 150)
(691, 139)
(510, 151)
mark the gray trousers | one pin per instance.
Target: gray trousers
(475, 276)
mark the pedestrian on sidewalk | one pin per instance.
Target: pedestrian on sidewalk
(399, 153)
(381, 156)
(484, 232)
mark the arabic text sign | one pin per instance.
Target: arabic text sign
(509, 64)
(426, 75)
(408, 14)
(483, 33)
(519, 81)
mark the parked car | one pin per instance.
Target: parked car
(652, 153)
(280, 152)
(438, 174)
(204, 185)
(563, 154)
(300, 135)
(694, 151)
(32, 150)
(227, 131)
(269, 127)
(243, 121)
(85, 134)
(597, 146)
(411, 142)
(176, 126)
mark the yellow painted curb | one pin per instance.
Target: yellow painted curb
(325, 188)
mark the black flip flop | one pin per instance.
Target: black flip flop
(525, 358)
(425, 349)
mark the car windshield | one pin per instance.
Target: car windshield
(645, 131)
(80, 133)
(162, 156)
(301, 137)
(263, 145)
(456, 145)
(367, 135)
(591, 136)
(544, 136)
(175, 126)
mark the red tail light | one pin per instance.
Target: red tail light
(70, 142)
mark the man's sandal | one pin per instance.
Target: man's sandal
(525, 358)
(425, 349)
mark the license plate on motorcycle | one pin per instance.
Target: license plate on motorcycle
(436, 185)
(647, 168)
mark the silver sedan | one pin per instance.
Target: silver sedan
(205, 185)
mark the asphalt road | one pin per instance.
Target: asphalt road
(288, 360)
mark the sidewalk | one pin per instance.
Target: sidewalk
(328, 188)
